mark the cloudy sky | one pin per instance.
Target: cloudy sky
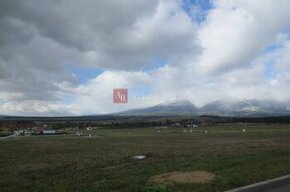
(64, 57)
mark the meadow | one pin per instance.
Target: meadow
(104, 161)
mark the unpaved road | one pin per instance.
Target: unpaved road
(10, 136)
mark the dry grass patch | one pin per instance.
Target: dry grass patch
(197, 177)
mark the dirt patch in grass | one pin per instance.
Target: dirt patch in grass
(197, 177)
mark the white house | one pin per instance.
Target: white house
(192, 126)
(49, 131)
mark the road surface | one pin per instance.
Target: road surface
(10, 136)
(283, 188)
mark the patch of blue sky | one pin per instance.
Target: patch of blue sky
(197, 9)
(2, 101)
(286, 31)
(154, 64)
(85, 74)
(270, 70)
(270, 65)
(68, 99)
(278, 45)
(272, 48)
(140, 91)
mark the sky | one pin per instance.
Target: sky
(65, 57)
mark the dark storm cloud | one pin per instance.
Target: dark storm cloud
(106, 31)
(78, 24)
(40, 39)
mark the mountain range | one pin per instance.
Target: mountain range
(224, 107)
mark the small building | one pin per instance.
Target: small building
(192, 126)
(43, 130)
(49, 131)
(37, 130)
(19, 132)
(177, 124)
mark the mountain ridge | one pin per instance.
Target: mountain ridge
(181, 106)
(223, 107)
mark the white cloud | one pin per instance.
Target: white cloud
(38, 108)
(96, 96)
(235, 32)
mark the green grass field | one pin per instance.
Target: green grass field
(104, 163)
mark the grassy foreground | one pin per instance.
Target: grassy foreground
(67, 163)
